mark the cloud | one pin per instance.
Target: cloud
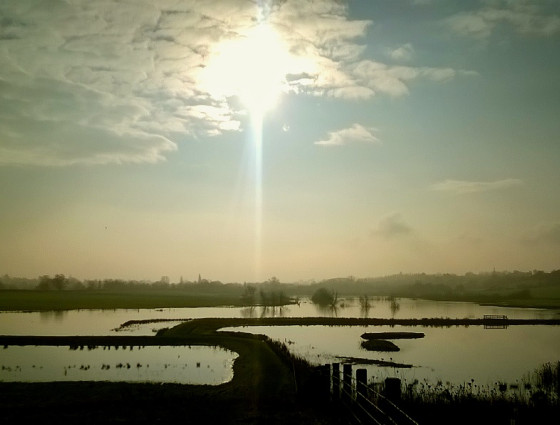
(392, 226)
(354, 134)
(402, 53)
(92, 83)
(536, 18)
(112, 82)
(394, 80)
(462, 186)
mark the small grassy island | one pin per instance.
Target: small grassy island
(379, 345)
(392, 335)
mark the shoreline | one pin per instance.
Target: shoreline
(204, 331)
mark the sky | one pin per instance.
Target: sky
(300, 139)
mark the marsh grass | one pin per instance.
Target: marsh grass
(535, 395)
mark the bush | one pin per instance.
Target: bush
(323, 296)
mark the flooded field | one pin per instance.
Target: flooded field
(448, 354)
(104, 322)
(453, 354)
(183, 364)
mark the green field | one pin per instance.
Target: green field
(22, 300)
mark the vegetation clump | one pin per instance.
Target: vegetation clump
(533, 399)
(379, 345)
(324, 297)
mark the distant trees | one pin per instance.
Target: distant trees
(8, 282)
(478, 287)
(249, 294)
(273, 298)
(47, 283)
(324, 297)
(365, 303)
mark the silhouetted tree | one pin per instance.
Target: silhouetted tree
(58, 282)
(324, 297)
(249, 293)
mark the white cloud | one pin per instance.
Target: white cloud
(394, 80)
(402, 53)
(470, 24)
(354, 134)
(524, 17)
(112, 82)
(103, 83)
(462, 186)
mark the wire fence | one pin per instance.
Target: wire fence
(365, 404)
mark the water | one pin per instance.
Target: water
(454, 354)
(104, 322)
(184, 365)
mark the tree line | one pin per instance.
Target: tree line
(405, 285)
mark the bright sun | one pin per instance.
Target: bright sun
(252, 68)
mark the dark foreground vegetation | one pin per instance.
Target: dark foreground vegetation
(534, 399)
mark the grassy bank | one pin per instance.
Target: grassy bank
(212, 324)
(21, 300)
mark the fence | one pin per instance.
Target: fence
(495, 321)
(365, 404)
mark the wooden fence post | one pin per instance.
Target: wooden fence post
(361, 385)
(347, 381)
(324, 382)
(393, 389)
(335, 381)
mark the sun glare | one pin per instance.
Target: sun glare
(251, 67)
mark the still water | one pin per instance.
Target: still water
(184, 365)
(104, 322)
(455, 354)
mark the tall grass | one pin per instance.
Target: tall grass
(535, 395)
(540, 386)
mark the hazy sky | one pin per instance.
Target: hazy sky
(300, 139)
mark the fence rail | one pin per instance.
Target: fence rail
(495, 321)
(366, 405)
